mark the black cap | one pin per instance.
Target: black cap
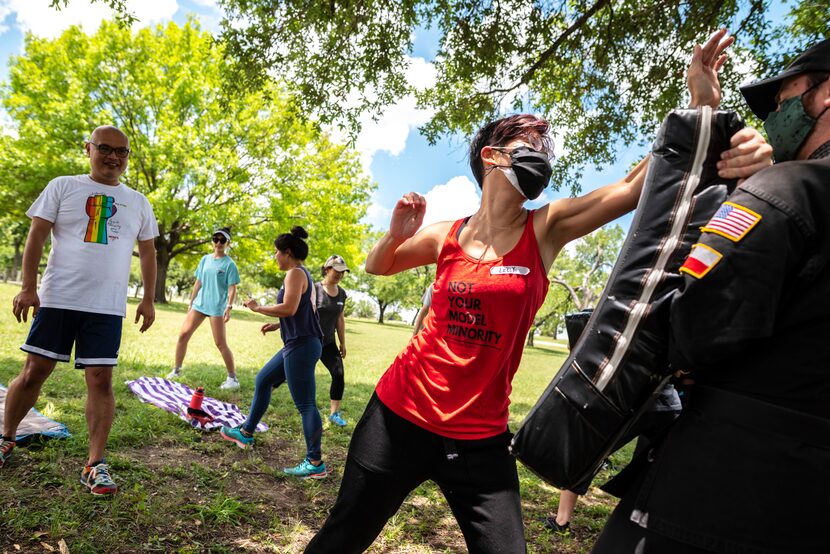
(760, 95)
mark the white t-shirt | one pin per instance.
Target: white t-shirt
(94, 232)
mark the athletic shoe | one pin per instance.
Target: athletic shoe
(231, 383)
(6, 447)
(175, 373)
(550, 524)
(307, 470)
(234, 434)
(338, 419)
(97, 479)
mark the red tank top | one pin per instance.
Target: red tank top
(454, 377)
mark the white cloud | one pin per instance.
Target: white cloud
(43, 20)
(5, 11)
(390, 131)
(456, 199)
(377, 215)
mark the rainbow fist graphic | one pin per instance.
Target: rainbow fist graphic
(99, 208)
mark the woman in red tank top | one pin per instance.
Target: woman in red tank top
(440, 411)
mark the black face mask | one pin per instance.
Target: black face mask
(530, 172)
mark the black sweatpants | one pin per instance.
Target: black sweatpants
(389, 457)
(334, 363)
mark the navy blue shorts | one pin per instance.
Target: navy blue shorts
(97, 337)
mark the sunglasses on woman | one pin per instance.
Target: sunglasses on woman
(220, 239)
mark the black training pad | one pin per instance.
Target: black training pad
(584, 411)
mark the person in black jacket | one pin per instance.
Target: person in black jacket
(751, 324)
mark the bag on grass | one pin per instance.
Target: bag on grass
(35, 424)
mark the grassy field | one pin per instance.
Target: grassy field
(185, 491)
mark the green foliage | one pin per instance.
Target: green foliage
(222, 509)
(602, 71)
(204, 157)
(362, 309)
(402, 290)
(124, 17)
(577, 278)
(585, 272)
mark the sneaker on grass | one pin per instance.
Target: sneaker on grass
(307, 470)
(175, 373)
(338, 419)
(6, 447)
(558, 528)
(231, 383)
(235, 435)
(97, 479)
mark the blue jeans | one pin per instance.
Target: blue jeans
(297, 369)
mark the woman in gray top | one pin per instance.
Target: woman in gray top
(331, 300)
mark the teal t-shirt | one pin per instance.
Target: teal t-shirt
(216, 275)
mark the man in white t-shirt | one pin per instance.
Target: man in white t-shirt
(94, 221)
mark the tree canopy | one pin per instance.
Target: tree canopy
(577, 277)
(602, 71)
(204, 157)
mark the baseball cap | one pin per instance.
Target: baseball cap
(760, 95)
(336, 262)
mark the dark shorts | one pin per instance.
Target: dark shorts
(97, 337)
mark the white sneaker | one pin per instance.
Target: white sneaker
(175, 373)
(231, 383)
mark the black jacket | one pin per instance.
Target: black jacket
(746, 469)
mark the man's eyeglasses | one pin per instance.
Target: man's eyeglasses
(106, 150)
(220, 239)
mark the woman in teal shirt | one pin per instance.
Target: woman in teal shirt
(212, 297)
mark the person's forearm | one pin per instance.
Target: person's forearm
(341, 330)
(231, 295)
(148, 273)
(382, 255)
(633, 182)
(32, 254)
(280, 310)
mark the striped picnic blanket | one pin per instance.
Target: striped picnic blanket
(175, 397)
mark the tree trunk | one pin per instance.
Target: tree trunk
(162, 263)
(381, 308)
(530, 337)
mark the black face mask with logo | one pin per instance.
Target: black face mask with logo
(530, 171)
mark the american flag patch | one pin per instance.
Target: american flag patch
(732, 221)
(701, 260)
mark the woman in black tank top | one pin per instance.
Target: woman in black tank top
(294, 363)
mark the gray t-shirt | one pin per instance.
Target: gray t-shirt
(329, 309)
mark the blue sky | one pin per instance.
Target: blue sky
(398, 158)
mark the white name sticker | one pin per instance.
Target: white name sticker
(509, 270)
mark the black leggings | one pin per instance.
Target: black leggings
(334, 363)
(389, 457)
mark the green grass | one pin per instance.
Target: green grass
(184, 491)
